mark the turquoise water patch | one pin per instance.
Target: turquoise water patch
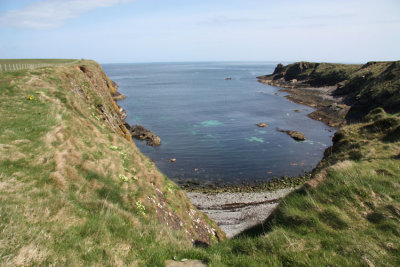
(308, 142)
(165, 118)
(322, 144)
(136, 119)
(255, 139)
(194, 132)
(211, 136)
(210, 123)
(261, 131)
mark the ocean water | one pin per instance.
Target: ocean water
(209, 124)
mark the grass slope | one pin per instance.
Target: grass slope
(73, 189)
(373, 85)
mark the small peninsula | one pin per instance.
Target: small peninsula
(340, 93)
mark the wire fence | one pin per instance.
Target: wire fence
(22, 66)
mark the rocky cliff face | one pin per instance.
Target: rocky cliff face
(103, 98)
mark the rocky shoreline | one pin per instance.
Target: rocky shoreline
(330, 109)
(340, 93)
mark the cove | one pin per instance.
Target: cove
(208, 123)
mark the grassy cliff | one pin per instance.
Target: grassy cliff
(75, 190)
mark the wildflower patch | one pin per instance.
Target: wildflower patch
(123, 178)
(141, 209)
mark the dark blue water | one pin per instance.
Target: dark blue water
(209, 124)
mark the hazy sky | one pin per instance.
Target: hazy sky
(201, 30)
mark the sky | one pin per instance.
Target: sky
(130, 31)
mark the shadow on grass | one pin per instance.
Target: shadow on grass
(274, 219)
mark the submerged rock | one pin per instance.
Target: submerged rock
(298, 136)
(139, 132)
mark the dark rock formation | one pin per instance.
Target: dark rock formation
(139, 132)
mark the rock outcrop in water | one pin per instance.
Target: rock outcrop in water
(298, 136)
(139, 132)
(262, 124)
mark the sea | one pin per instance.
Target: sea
(208, 122)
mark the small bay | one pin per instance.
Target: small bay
(208, 122)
